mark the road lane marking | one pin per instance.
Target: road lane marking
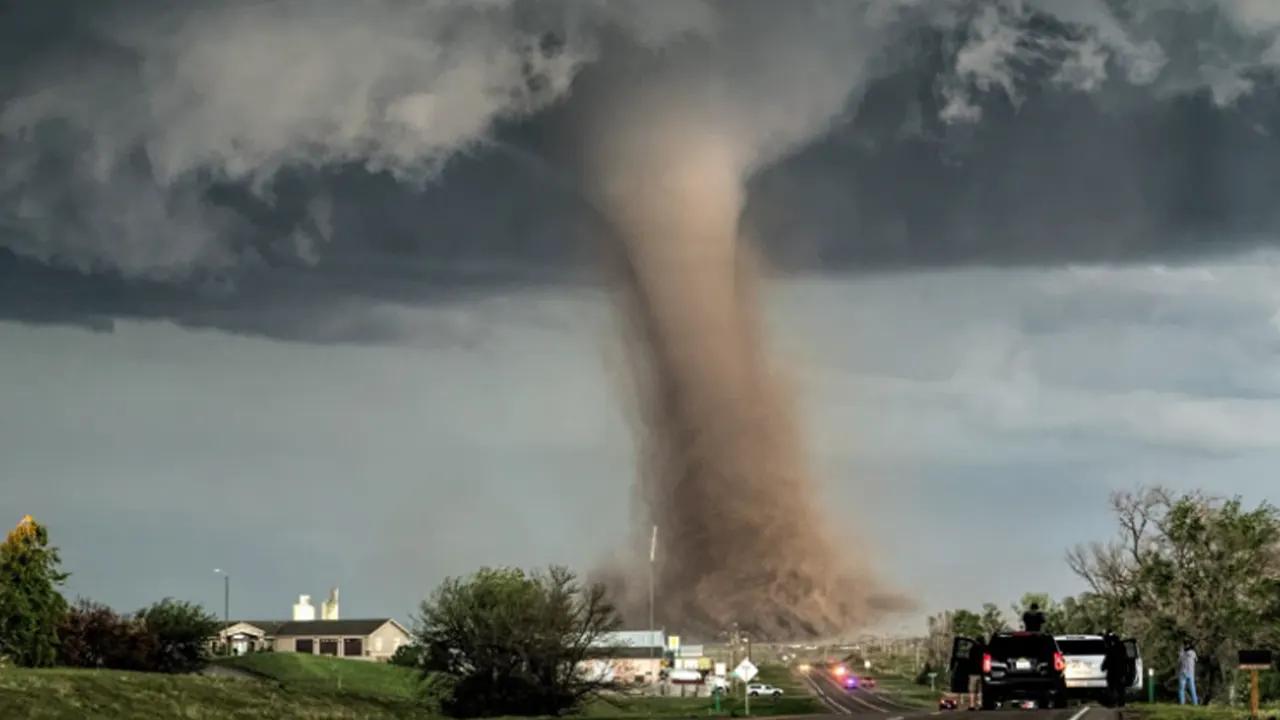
(866, 703)
(1080, 714)
(857, 696)
(827, 700)
(844, 697)
(891, 702)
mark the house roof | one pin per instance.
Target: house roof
(623, 653)
(631, 638)
(267, 626)
(332, 627)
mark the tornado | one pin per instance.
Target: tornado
(722, 466)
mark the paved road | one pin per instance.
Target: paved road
(864, 704)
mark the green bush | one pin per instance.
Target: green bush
(410, 656)
(504, 642)
(179, 632)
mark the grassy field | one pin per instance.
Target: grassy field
(319, 674)
(796, 700)
(63, 694)
(905, 690)
(1163, 711)
(300, 687)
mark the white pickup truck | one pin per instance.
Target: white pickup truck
(1084, 674)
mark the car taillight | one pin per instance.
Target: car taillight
(986, 662)
(1059, 662)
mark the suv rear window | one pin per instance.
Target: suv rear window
(1007, 646)
(1082, 647)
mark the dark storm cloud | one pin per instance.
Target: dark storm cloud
(1060, 178)
(281, 168)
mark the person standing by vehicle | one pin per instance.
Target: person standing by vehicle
(1115, 663)
(975, 677)
(1187, 675)
(1033, 619)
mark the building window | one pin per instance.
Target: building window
(305, 646)
(352, 647)
(329, 647)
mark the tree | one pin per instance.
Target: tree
(1086, 614)
(95, 636)
(31, 607)
(504, 642)
(1188, 568)
(938, 650)
(992, 619)
(1052, 613)
(966, 623)
(179, 635)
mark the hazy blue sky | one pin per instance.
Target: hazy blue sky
(967, 427)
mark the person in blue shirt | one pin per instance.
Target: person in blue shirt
(1187, 675)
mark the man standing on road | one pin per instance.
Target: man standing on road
(1115, 663)
(1187, 675)
(975, 679)
(1033, 619)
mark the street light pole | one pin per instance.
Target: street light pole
(226, 594)
(226, 608)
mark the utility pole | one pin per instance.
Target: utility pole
(653, 555)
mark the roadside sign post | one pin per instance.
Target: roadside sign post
(744, 672)
(1253, 694)
(1255, 661)
(933, 681)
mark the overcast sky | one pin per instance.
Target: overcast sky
(313, 291)
(967, 424)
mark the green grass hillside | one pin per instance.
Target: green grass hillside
(1166, 711)
(298, 687)
(62, 694)
(317, 673)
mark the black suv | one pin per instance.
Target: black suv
(1013, 665)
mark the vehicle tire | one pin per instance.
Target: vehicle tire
(1060, 700)
(989, 702)
(754, 694)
